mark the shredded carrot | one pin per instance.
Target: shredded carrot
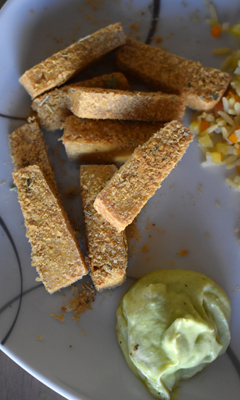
(216, 31)
(233, 138)
(204, 125)
(218, 107)
(234, 95)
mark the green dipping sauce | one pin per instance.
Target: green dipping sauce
(170, 325)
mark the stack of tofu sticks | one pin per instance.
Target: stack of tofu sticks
(105, 123)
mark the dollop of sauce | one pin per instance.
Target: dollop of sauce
(170, 325)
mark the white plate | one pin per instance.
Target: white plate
(184, 209)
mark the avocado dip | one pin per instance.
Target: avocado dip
(170, 325)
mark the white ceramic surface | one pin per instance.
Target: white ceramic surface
(184, 209)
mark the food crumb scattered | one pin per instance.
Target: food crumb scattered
(81, 300)
(59, 317)
(148, 227)
(217, 204)
(216, 31)
(158, 40)
(183, 253)
(39, 338)
(70, 345)
(221, 51)
(83, 332)
(194, 17)
(135, 27)
(200, 188)
(207, 235)
(172, 262)
(145, 248)
(133, 232)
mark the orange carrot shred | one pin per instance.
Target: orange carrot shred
(218, 107)
(216, 31)
(204, 125)
(233, 138)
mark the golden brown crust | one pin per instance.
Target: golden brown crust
(107, 249)
(28, 147)
(201, 87)
(55, 252)
(61, 66)
(118, 104)
(51, 107)
(104, 141)
(137, 180)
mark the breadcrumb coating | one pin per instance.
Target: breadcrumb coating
(96, 103)
(138, 179)
(200, 87)
(107, 248)
(55, 251)
(65, 64)
(52, 106)
(104, 141)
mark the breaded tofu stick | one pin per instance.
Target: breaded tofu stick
(107, 249)
(28, 147)
(51, 107)
(201, 87)
(65, 64)
(138, 179)
(119, 104)
(104, 141)
(55, 251)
